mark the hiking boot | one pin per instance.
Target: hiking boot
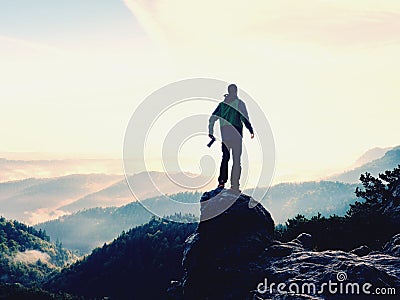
(235, 189)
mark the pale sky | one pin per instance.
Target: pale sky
(326, 73)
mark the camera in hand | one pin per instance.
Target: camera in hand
(211, 142)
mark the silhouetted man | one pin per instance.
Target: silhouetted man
(232, 113)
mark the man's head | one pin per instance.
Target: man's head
(232, 89)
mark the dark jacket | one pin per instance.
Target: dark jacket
(232, 114)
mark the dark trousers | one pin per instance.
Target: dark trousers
(236, 146)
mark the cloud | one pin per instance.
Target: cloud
(323, 22)
(32, 256)
(12, 44)
(43, 215)
(308, 63)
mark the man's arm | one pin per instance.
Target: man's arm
(244, 117)
(214, 117)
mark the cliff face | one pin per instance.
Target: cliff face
(235, 256)
(217, 256)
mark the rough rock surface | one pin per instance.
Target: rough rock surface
(361, 251)
(233, 255)
(393, 246)
(217, 256)
(308, 267)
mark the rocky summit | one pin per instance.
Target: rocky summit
(233, 255)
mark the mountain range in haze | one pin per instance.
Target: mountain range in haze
(36, 200)
(387, 161)
(19, 169)
(29, 257)
(370, 155)
(87, 229)
(228, 256)
(119, 194)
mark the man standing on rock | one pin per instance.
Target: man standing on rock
(232, 113)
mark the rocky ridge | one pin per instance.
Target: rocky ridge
(235, 256)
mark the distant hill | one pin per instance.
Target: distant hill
(38, 200)
(85, 230)
(390, 160)
(124, 269)
(26, 254)
(17, 168)
(35, 200)
(119, 193)
(370, 155)
(285, 200)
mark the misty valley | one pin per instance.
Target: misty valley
(66, 238)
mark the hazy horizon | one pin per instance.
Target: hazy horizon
(324, 73)
(108, 163)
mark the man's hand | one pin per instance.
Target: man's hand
(252, 136)
(212, 140)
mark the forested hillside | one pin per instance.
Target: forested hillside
(20, 292)
(88, 229)
(139, 264)
(370, 221)
(26, 255)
